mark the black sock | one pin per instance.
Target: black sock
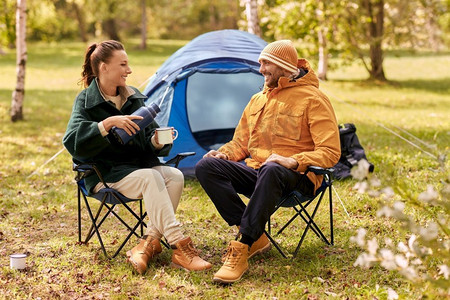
(245, 239)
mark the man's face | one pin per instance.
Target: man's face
(271, 73)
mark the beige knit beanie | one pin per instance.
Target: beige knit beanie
(282, 53)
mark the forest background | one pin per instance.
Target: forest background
(387, 64)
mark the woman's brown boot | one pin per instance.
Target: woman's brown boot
(185, 256)
(141, 254)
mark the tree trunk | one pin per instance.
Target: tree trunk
(376, 31)
(251, 9)
(19, 93)
(144, 25)
(110, 28)
(323, 51)
(81, 22)
(323, 56)
(109, 24)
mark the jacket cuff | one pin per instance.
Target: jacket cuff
(102, 129)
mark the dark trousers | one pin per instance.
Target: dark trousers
(223, 180)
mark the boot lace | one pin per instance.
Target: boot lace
(232, 257)
(189, 251)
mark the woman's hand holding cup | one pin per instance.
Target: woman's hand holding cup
(165, 135)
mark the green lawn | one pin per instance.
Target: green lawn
(38, 213)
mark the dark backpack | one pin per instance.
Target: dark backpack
(351, 152)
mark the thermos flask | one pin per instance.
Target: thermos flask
(147, 112)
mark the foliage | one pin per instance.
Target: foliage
(38, 213)
(425, 258)
(7, 23)
(346, 24)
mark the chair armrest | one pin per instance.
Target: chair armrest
(319, 170)
(85, 169)
(179, 157)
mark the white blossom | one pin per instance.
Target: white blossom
(402, 247)
(389, 242)
(361, 187)
(375, 182)
(429, 196)
(387, 192)
(409, 273)
(361, 171)
(444, 270)
(411, 241)
(359, 239)
(372, 246)
(399, 206)
(401, 261)
(429, 233)
(385, 211)
(387, 259)
(365, 260)
(392, 294)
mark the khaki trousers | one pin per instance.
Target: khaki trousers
(160, 187)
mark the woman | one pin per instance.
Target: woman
(132, 169)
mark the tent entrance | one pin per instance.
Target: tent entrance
(215, 102)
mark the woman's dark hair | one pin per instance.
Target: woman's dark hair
(95, 54)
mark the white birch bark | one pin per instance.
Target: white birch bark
(21, 60)
(251, 10)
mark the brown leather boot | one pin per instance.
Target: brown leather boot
(260, 246)
(235, 265)
(185, 256)
(140, 255)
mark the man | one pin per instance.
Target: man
(285, 128)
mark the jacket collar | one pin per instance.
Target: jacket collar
(94, 96)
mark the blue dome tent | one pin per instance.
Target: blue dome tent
(203, 88)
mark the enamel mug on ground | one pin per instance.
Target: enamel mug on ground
(166, 135)
(17, 261)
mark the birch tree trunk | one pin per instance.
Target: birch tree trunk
(321, 36)
(21, 45)
(144, 25)
(251, 10)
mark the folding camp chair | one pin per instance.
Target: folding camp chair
(299, 203)
(109, 198)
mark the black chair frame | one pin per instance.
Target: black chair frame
(109, 198)
(300, 203)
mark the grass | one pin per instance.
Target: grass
(38, 213)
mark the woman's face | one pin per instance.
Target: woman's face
(116, 70)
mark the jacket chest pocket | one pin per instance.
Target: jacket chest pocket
(288, 124)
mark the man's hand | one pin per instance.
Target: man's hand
(216, 154)
(124, 122)
(287, 162)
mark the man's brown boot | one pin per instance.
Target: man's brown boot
(260, 246)
(185, 256)
(235, 264)
(141, 254)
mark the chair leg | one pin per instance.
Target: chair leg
(79, 215)
(331, 216)
(275, 244)
(142, 218)
(94, 224)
